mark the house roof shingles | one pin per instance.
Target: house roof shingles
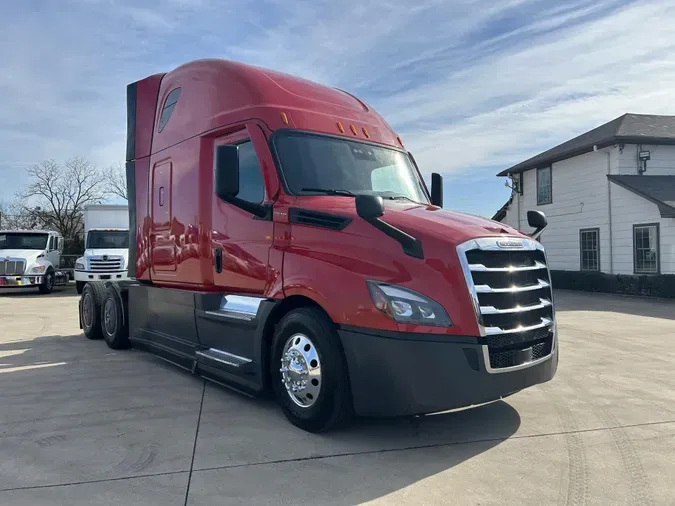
(658, 189)
(627, 129)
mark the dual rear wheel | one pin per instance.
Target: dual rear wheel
(102, 314)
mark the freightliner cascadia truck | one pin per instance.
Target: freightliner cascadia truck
(283, 239)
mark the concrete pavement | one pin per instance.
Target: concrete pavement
(81, 424)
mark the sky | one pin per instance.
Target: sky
(471, 86)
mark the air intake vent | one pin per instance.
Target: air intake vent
(317, 219)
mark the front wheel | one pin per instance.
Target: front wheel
(47, 283)
(310, 378)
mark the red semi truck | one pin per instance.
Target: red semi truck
(283, 239)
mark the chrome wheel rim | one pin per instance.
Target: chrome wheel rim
(109, 317)
(50, 281)
(301, 370)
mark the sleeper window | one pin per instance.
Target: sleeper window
(169, 105)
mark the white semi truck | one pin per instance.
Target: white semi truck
(106, 243)
(31, 258)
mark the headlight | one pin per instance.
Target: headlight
(79, 266)
(38, 268)
(406, 306)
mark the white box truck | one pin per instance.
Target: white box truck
(106, 244)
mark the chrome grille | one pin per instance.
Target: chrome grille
(513, 299)
(105, 264)
(12, 267)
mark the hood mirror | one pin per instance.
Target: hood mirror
(537, 220)
(369, 207)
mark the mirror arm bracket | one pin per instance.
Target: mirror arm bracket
(411, 245)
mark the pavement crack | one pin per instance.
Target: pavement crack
(428, 446)
(320, 457)
(194, 447)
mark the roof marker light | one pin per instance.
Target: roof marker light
(399, 140)
(340, 127)
(284, 118)
(365, 132)
(353, 129)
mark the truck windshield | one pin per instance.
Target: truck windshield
(111, 239)
(16, 240)
(319, 164)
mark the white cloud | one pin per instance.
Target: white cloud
(469, 84)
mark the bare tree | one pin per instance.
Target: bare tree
(13, 215)
(58, 194)
(116, 180)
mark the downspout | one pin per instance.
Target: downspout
(518, 206)
(609, 212)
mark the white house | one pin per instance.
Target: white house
(608, 194)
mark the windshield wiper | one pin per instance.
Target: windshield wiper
(398, 197)
(328, 191)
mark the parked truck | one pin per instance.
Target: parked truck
(31, 259)
(282, 238)
(106, 243)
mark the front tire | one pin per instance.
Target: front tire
(309, 373)
(90, 309)
(47, 283)
(113, 323)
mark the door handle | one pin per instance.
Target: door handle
(218, 260)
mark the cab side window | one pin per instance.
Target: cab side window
(50, 244)
(251, 186)
(169, 105)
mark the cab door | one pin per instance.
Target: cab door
(241, 242)
(53, 251)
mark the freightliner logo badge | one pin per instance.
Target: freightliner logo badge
(510, 243)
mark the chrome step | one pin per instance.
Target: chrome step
(223, 357)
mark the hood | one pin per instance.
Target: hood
(420, 220)
(442, 223)
(117, 252)
(27, 254)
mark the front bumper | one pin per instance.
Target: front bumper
(85, 276)
(395, 374)
(20, 281)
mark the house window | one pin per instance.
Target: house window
(646, 248)
(169, 105)
(544, 186)
(589, 243)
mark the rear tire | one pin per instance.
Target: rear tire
(113, 324)
(79, 286)
(47, 283)
(307, 347)
(90, 309)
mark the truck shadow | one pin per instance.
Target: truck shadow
(68, 396)
(568, 300)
